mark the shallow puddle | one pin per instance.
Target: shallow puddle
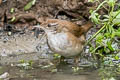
(64, 72)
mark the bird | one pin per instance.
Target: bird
(68, 39)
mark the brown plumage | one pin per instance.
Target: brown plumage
(64, 25)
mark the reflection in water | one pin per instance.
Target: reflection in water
(36, 73)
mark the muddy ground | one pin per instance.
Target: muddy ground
(19, 42)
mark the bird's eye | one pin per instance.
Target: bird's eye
(49, 25)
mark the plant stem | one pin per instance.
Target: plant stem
(96, 34)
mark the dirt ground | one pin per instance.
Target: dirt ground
(72, 9)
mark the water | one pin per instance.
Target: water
(64, 72)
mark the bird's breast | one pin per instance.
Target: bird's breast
(64, 44)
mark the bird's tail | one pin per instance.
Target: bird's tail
(87, 26)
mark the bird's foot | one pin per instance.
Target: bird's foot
(75, 69)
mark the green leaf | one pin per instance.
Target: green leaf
(117, 33)
(99, 38)
(109, 45)
(56, 56)
(112, 78)
(33, 3)
(13, 19)
(105, 20)
(116, 21)
(106, 50)
(107, 34)
(91, 49)
(100, 5)
(111, 2)
(106, 16)
(12, 10)
(95, 17)
(113, 35)
(116, 57)
(29, 5)
(22, 61)
(91, 0)
(116, 16)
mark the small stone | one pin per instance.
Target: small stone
(4, 75)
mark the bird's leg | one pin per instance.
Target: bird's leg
(75, 67)
(76, 60)
(62, 59)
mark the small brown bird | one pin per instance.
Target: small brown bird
(68, 40)
(65, 43)
(65, 37)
